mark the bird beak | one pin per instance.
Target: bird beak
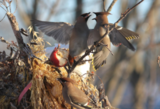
(59, 79)
(85, 15)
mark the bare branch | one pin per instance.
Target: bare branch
(15, 28)
(104, 3)
(111, 6)
(3, 18)
(16, 7)
(158, 60)
(126, 12)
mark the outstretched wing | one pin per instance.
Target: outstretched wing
(122, 35)
(127, 33)
(60, 31)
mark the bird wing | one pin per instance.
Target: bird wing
(60, 31)
(116, 37)
(100, 56)
(128, 34)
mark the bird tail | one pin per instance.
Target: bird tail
(100, 58)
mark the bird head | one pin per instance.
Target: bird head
(101, 13)
(101, 17)
(57, 57)
(85, 16)
(65, 80)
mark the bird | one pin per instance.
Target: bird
(76, 35)
(72, 95)
(118, 36)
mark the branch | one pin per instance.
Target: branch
(126, 12)
(15, 29)
(17, 34)
(158, 60)
(104, 2)
(111, 6)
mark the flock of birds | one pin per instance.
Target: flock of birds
(80, 38)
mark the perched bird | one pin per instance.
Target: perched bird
(73, 96)
(76, 35)
(118, 36)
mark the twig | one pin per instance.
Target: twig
(111, 6)
(126, 12)
(16, 7)
(158, 60)
(104, 3)
(3, 8)
(107, 48)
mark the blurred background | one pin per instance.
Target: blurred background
(131, 78)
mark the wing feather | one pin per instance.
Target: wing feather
(60, 31)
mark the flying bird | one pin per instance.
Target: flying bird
(76, 35)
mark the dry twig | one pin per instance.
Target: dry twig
(111, 6)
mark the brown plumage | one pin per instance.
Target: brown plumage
(73, 96)
(117, 36)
